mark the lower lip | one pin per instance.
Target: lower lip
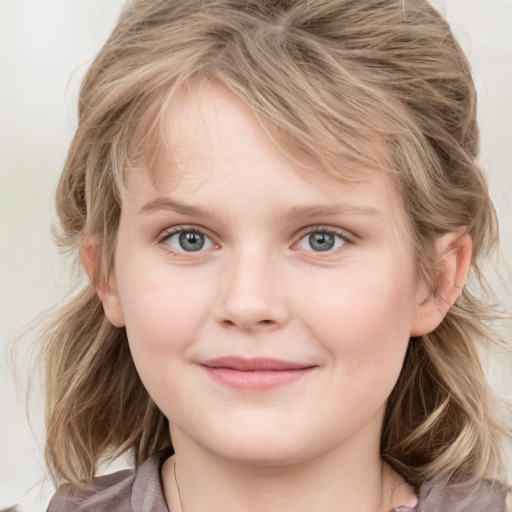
(257, 380)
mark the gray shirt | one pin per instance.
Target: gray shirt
(140, 490)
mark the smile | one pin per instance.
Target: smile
(260, 374)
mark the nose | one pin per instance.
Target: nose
(251, 295)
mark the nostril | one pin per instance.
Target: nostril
(261, 324)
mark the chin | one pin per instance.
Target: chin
(260, 450)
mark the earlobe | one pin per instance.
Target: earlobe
(455, 252)
(106, 289)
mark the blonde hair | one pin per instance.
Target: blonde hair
(330, 78)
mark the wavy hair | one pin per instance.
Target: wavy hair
(328, 78)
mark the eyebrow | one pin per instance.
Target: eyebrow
(306, 212)
(295, 213)
(165, 203)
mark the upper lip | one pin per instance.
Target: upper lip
(243, 364)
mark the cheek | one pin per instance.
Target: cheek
(162, 322)
(365, 319)
(163, 315)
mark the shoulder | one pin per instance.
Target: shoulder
(127, 491)
(109, 492)
(443, 493)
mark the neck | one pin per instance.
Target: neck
(359, 481)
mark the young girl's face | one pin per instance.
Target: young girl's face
(268, 308)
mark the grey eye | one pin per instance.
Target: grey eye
(321, 241)
(189, 241)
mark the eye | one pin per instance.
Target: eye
(321, 240)
(188, 240)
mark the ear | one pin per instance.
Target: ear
(89, 252)
(454, 250)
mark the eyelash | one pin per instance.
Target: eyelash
(178, 230)
(340, 234)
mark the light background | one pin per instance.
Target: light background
(45, 47)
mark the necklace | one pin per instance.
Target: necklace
(178, 487)
(183, 508)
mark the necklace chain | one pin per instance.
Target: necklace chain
(178, 487)
(179, 493)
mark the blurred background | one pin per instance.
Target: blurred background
(45, 48)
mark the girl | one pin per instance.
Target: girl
(277, 204)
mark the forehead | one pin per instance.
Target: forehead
(212, 143)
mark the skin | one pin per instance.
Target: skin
(259, 288)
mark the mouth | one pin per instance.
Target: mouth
(259, 374)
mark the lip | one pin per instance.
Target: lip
(256, 374)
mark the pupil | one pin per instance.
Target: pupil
(321, 241)
(191, 241)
